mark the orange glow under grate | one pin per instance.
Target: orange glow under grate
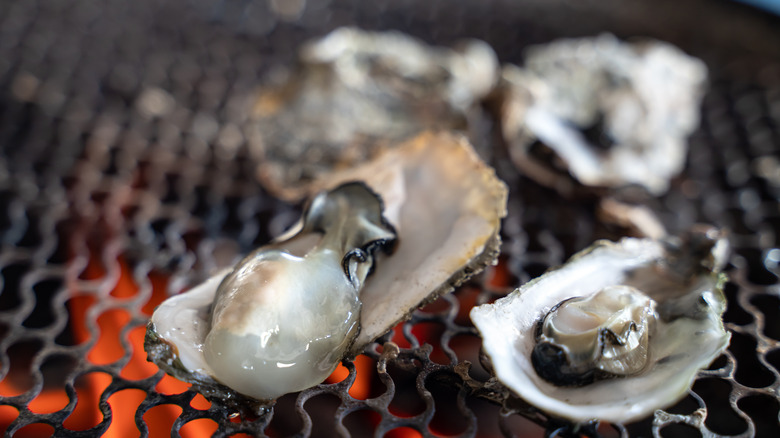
(108, 349)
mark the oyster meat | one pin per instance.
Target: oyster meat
(354, 92)
(273, 327)
(584, 339)
(614, 113)
(442, 213)
(617, 332)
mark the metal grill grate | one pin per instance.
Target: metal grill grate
(125, 176)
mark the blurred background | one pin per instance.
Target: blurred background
(126, 177)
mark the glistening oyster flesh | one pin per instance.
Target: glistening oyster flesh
(446, 207)
(583, 339)
(283, 318)
(618, 331)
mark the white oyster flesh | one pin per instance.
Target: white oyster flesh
(354, 92)
(615, 113)
(283, 318)
(674, 303)
(445, 206)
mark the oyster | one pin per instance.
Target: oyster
(273, 327)
(354, 92)
(617, 332)
(616, 114)
(443, 204)
(584, 339)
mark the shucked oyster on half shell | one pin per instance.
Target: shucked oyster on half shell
(354, 92)
(617, 332)
(289, 310)
(614, 113)
(283, 318)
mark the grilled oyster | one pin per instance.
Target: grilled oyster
(283, 318)
(616, 114)
(585, 339)
(617, 332)
(443, 204)
(355, 92)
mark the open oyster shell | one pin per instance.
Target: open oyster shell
(286, 314)
(354, 92)
(445, 206)
(684, 288)
(615, 114)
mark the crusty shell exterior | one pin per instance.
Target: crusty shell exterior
(356, 92)
(645, 94)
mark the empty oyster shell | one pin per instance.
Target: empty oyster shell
(445, 206)
(355, 92)
(614, 113)
(617, 332)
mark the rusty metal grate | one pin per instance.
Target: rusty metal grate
(108, 205)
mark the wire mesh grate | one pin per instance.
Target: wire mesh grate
(126, 177)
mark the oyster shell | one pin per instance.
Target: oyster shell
(614, 113)
(617, 332)
(270, 326)
(445, 206)
(632, 219)
(355, 92)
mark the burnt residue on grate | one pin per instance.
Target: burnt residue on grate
(125, 177)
